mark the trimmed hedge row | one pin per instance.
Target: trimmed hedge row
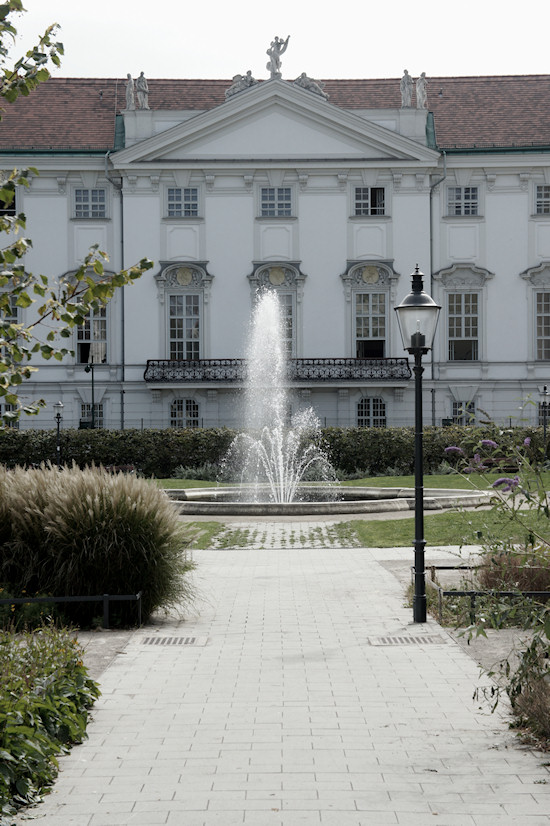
(372, 451)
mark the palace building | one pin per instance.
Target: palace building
(329, 193)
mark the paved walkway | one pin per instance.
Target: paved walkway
(299, 694)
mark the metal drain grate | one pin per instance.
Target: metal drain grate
(424, 640)
(196, 641)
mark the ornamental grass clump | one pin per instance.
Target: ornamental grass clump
(88, 532)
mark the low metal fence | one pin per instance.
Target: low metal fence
(106, 599)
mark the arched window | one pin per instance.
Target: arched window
(288, 282)
(369, 289)
(184, 290)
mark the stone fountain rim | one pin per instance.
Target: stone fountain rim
(209, 501)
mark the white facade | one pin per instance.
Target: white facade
(333, 208)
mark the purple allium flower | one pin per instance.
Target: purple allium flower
(454, 449)
(488, 443)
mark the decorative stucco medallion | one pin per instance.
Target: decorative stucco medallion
(370, 275)
(276, 276)
(184, 276)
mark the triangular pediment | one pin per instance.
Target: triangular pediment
(276, 121)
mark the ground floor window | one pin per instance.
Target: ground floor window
(371, 412)
(464, 413)
(8, 408)
(86, 417)
(184, 413)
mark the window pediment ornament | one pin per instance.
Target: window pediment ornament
(365, 274)
(277, 275)
(185, 276)
(538, 276)
(463, 275)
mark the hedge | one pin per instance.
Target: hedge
(371, 451)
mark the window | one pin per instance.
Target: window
(183, 202)
(544, 413)
(370, 200)
(370, 325)
(542, 206)
(86, 418)
(543, 325)
(185, 326)
(92, 338)
(276, 202)
(463, 321)
(464, 413)
(90, 203)
(371, 413)
(8, 408)
(286, 304)
(184, 413)
(462, 200)
(8, 209)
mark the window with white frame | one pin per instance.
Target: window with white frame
(463, 326)
(370, 200)
(86, 417)
(544, 413)
(90, 203)
(287, 282)
(462, 200)
(92, 338)
(185, 326)
(184, 413)
(543, 325)
(371, 412)
(182, 202)
(287, 307)
(370, 324)
(463, 413)
(276, 202)
(8, 408)
(542, 203)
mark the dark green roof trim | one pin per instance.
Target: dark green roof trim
(120, 133)
(69, 152)
(493, 150)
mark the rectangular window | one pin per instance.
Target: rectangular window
(286, 303)
(276, 202)
(542, 206)
(90, 203)
(86, 418)
(370, 325)
(8, 408)
(462, 200)
(543, 325)
(92, 338)
(185, 327)
(464, 413)
(370, 200)
(183, 202)
(184, 413)
(371, 413)
(463, 320)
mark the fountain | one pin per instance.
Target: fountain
(281, 465)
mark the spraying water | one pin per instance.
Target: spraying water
(275, 455)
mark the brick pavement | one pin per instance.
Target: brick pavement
(287, 711)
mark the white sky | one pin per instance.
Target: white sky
(342, 39)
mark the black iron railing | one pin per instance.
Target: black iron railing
(311, 370)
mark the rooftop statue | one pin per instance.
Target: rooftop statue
(277, 48)
(406, 87)
(422, 92)
(311, 85)
(240, 84)
(142, 92)
(130, 101)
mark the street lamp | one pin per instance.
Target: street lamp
(417, 316)
(58, 407)
(90, 369)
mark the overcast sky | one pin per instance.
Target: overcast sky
(343, 39)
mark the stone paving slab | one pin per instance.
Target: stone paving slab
(290, 716)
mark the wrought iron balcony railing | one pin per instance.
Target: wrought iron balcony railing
(311, 370)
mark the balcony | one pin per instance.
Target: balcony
(299, 370)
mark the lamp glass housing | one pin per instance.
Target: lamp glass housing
(417, 313)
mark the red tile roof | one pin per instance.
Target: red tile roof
(78, 114)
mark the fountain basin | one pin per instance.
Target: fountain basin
(227, 501)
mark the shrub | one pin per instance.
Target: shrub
(85, 533)
(45, 695)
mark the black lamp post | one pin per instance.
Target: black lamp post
(417, 316)
(90, 369)
(58, 407)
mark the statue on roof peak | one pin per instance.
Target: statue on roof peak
(277, 48)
